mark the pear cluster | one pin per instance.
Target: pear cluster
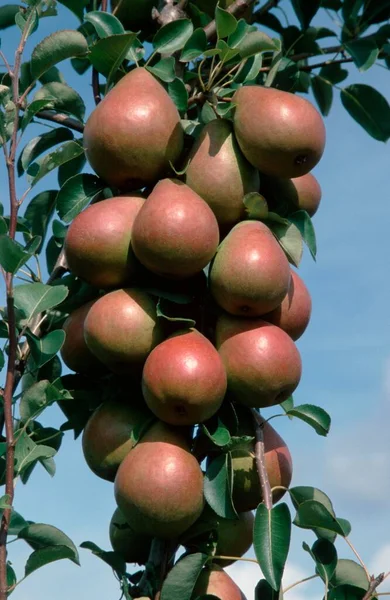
(159, 231)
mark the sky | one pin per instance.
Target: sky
(346, 369)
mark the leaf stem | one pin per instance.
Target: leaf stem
(219, 557)
(293, 585)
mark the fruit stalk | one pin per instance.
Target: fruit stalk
(260, 460)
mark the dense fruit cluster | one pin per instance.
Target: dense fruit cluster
(154, 239)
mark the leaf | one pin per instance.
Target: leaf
(34, 399)
(302, 220)
(346, 592)
(263, 591)
(12, 254)
(312, 515)
(5, 502)
(113, 559)
(7, 15)
(173, 36)
(218, 487)
(33, 108)
(17, 523)
(219, 435)
(226, 23)
(27, 452)
(66, 152)
(369, 108)
(207, 114)
(271, 541)
(33, 298)
(75, 6)
(108, 53)
(334, 73)
(315, 416)
(178, 92)
(180, 581)
(256, 206)
(70, 169)
(11, 577)
(290, 239)
(66, 99)
(44, 556)
(55, 48)
(40, 536)
(305, 11)
(39, 212)
(239, 33)
(255, 42)
(364, 52)
(40, 144)
(287, 404)
(43, 349)
(323, 94)
(195, 46)
(351, 573)
(164, 69)
(76, 194)
(324, 554)
(104, 23)
(345, 526)
(301, 494)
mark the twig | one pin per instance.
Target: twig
(236, 8)
(95, 74)
(260, 460)
(61, 119)
(374, 583)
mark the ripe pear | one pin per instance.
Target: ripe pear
(288, 195)
(279, 133)
(159, 485)
(134, 14)
(75, 352)
(175, 234)
(293, 315)
(122, 328)
(106, 437)
(97, 244)
(262, 363)
(133, 546)
(246, 484)
(184, 380)
(220, 174)
(235, 537)
(307, 194)
(250, 274)
(213, 580)
(134, 133)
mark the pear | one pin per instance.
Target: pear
(121, 329)
(75, 352)
(184, 380)
(175, 234)
(106, 437)
(159, 485)
(97, 244)
(307, 194)
(262, 363)
(134, 133)
(288, 195)
(214, 581)
(133, 546)
(220, 174)
(293, 315)
(250, 274)
(235, 537)
(281, 134)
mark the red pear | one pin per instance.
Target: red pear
(215, 582)
(285, 196)
(75, 352)
(262, 363)
(307, 193)
(184, 380)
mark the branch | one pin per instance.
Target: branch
(95, 74)
(374, 583)
(237, 8)
(260, 460)
(61, 119)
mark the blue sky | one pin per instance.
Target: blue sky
(346, 369)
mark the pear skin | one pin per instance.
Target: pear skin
(134, 133)
(214, 581)
(285, 196)
(75, 352)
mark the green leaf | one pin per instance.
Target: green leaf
(40, 144)
(323, 94)
(178, 92)
(369, 108)
(173, 36)
(5, 502)
(75, 6)
(324, 554)
(40, 536)
(345, 526)
(11, 576)
(66, 99)
(34, 399)
(290, 239)
(287, 404)
(226, 23)
(113, 559)
(255, 42)
(256, 206)
(301, 494)
(27, 25)
(195, 46)
(334, 73)
(346, 592)
(218, 487)
(43, 349)
(364, 52)
(315, 416)
(301, 219)
(239, 33)
(305, 11)
(53, 74)
(33, 108)
(164, 69)
(104, 23)
(180, 581)
(271, 541)
(76, 194)
(66, 152)
(207, 114)
(349, 572)
(33, 298)
(55, 48)
(70, 169)
(17, 523)
(27, 452)
(263, 591)
(218, 434)
(12, 254)
(108, 53)
(39, 212)
(44, 556)
(7, 15)
(312, 515)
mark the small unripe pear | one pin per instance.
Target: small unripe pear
(133, 546)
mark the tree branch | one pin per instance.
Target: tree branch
(260, 460)
(237, 8)
(61, 119)
(374, 583)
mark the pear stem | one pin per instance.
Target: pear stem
(260, 460)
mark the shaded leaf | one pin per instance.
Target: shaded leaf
(27, 452)
(17, 523)
(66, 99)
(290, 239)
(76, 194)
(271, 541)
(323, 93)
(55, 48)
(364, 52)
(334, 73)
(263, 591)
(345, 526)
(34, 399)
(218, 487)
(195, 46)
(70, 169)
(113, 559)
(349, 572)
(39, 212)
(256, 206)
(33, 108)
(369, 108)
(44, 556)
(180, 581)
(162, 310)
(324, 554)
(302, 220)
(218, 434)
(40, 535)
(4, 502)
(7, 15)
(178, 92)
(173, 36)
(315, 416)
(305, 11)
